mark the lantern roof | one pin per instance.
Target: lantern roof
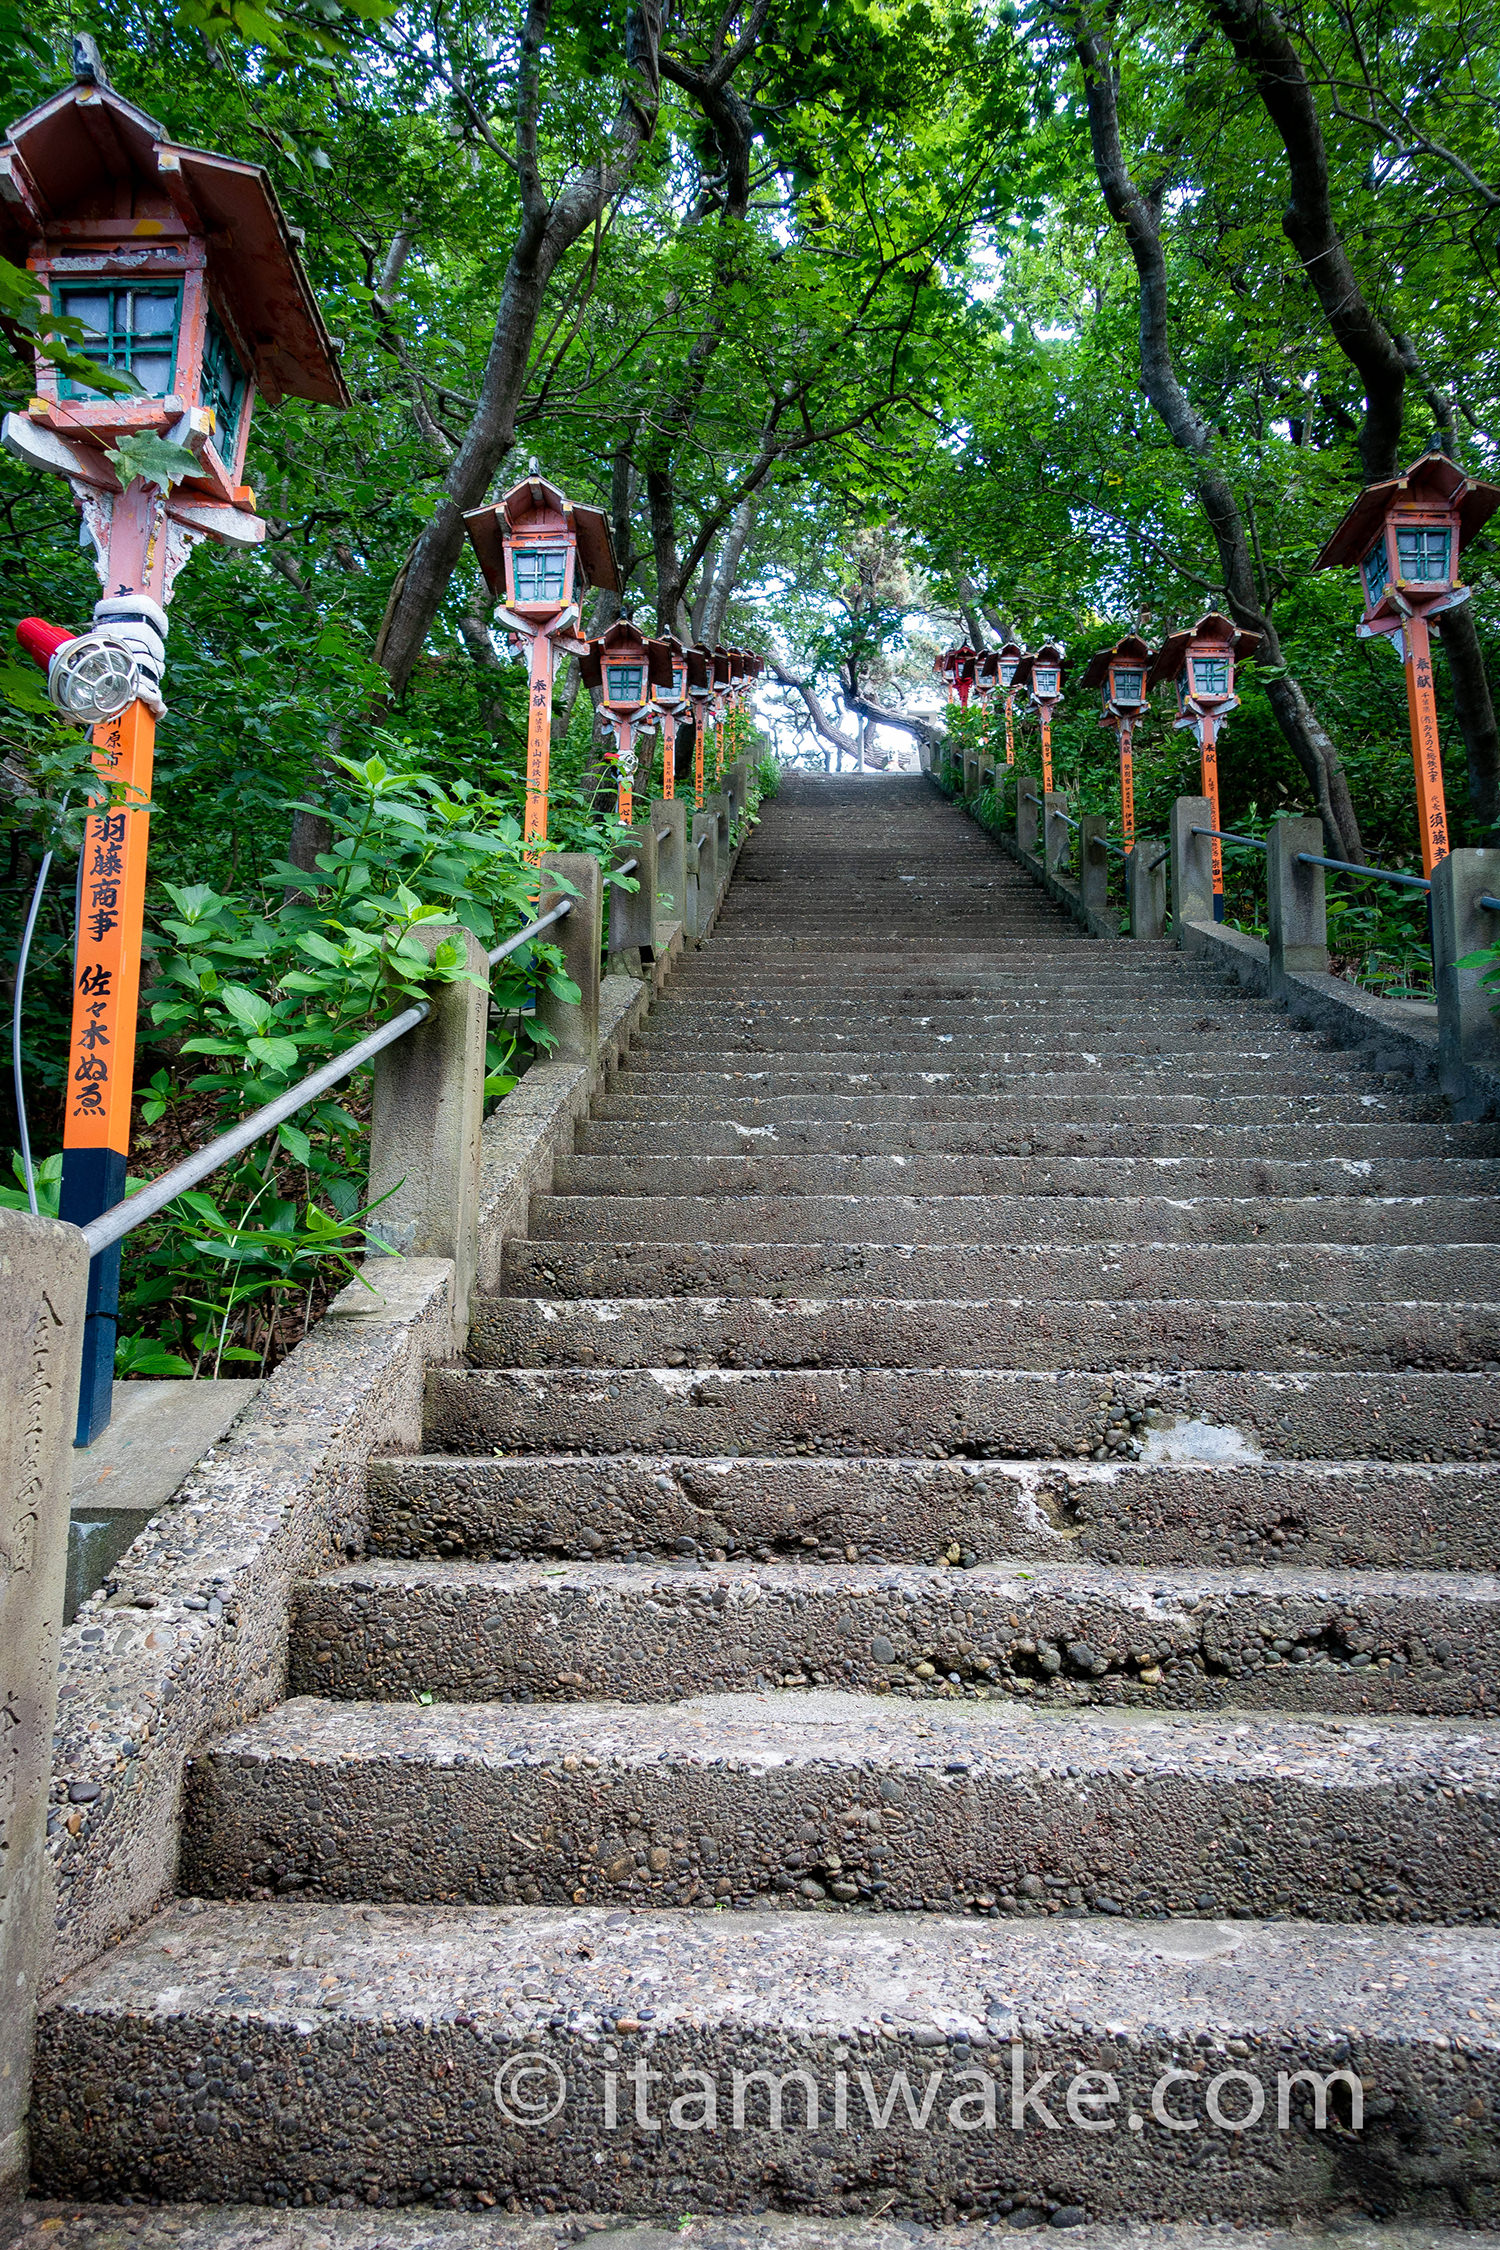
(1216, 630)
(721, 673)
(661, 656)
(1434, 483)
(700, 665)
(1132, 650)
(1050, 652)
(987, 667)
(537, 506)
(87, 157)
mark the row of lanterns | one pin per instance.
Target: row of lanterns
(540, 553)
(1404, 536)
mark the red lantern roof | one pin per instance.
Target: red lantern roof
(1129, 651)
(1214, 630)
(1434, 482)
(88, 164)
(536, 506)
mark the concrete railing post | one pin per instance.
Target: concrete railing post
(575, 1023)
(1028, 814)
(44, 1268)
(671, 875)
(1468, 1028)
(1192, 862)
(426, 1112)
(632, 914)
(1146, 887)
(717, 802)
(703, 876)
(1056, 833)
(1093, 863)
(1295, 908)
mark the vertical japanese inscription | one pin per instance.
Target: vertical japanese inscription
(107, 958)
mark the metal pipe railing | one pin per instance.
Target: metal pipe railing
(1351, 867)
(1227, 836)
(123, 1218)
(1490, 905)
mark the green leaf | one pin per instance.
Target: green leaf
(155, 460)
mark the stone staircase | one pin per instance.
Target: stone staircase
(962, 1554)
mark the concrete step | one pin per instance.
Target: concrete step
(1330, 1273)
(771, 1508)
(368, 2050)
(949, 1412)
(766, 1173)
(831, 1801)
(1081, 1001)
(1371, 1642)
(935, 1107)
(990, 1331)
(1035, 1044)
(1367, 1136)
(341, 2225)
(1135, 1078)
(1027, 1218)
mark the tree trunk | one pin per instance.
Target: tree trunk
(1138, 214)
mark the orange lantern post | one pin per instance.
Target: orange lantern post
(670, 701)
(1406, 537)
(1010, 658)
(1200, 665)
(1040, 674)
(538, 553)
(722, 681)
(184, 276)
(700, 668)
(1120, 675)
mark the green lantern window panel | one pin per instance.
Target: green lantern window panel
(1008, 673)
(679, 680)
(225, 386)
(132, 330)
(1210, 675)
(1044, 682)
(1422, 557)
(1376, 571)
(624, 682)
(1127, 685)
(541, 573)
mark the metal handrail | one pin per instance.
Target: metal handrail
(1227, 836)
(1352, 867)
(1057, 813)
(123, 1218)
(662, 834)
(1490, 905)
(1159, 861)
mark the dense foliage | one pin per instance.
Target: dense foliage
(828, 304)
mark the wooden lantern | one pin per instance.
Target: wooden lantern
(1406, 538)
(1120, 674)
(1200, 666)
(1039, 674)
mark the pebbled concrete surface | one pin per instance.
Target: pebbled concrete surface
(836, 1802)
(584, 1506)
(1293, 1640)
(957, 1412)
(277, 2051)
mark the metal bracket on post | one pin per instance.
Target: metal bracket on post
(1468, 1028)
(1055, 829)
(426, 1114)
(670, 813)
(1028, 815)
(1146, 887)
(1296, 911)
(632, 914)
(1093, 863)
(575, 1023)
(1192, 863)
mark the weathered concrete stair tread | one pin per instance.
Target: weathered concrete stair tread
(836, 1799)
(914, 1219)
(1015, 1332)
(933, 1106)
(768, 1173)
(837, 1078)
(1376, 1641)
(1282, 1139)
(1329, 1272)
(799, 1508)
(243, 2226)
(1003, 1411)
(360, 2003)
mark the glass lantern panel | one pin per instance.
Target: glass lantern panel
(224, 386)
(1422, 557)
(133, 331)
(624, 682)
(1375, 571)
(679, 679)
(1210, 675)
(1126, 685)
(1044, 682)
(541, 573)
(1008, 671)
